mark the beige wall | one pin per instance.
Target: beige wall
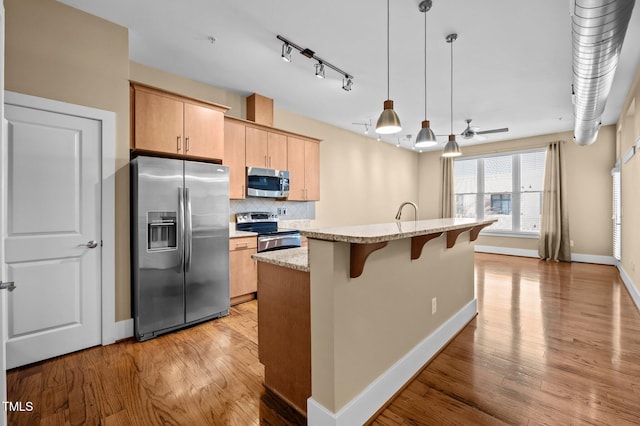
(628, 133)
(589, 188)
(57, 52)
(361, 180)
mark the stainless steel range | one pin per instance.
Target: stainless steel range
(266, 225)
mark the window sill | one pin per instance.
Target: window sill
(530, 235)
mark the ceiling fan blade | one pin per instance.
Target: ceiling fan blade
(484, 132)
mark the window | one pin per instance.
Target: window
(507, 187)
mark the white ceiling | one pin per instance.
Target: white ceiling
(512, 59)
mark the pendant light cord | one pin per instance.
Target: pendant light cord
(388, 72)
(425, 65)
(451, 42)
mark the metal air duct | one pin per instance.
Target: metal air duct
(598, 28)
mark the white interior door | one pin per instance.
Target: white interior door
(52, 241)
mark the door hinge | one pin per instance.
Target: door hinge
(8, 285)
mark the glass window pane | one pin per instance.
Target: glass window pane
(465, 176)
(532, 171)
(497, 174)
(466, 205)
(501, 210)
(531, 209)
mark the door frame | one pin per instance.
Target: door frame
(107, 202)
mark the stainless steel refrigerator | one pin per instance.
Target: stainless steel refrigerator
(179, 243)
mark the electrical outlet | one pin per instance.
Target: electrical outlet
(571, 243)
(282, 211)
(434, 305)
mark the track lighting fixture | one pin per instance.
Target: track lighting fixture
(451, 149)
(288, 46)
(366, 126)
(388, 122)
(286, 52)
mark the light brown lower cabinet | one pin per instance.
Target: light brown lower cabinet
(243, 270)
(284, 332)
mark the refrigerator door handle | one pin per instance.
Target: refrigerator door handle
(180, 229)
(188, 230)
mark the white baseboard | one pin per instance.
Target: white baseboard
(575, 257)
(592, 258)
(631, 288)
(373, 397)
(124, 329)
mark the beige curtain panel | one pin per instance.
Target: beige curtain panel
(447, 202)
(554, 241)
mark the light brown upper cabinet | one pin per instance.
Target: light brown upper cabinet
(168, 123)
(234, 157)
(266, 149)
(304, 169)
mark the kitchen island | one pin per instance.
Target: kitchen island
(382, 301)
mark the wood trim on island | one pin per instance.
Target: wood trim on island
(359, 254)
(452, 235)
(475, 231)
(417, 243)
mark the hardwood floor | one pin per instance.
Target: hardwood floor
(205, 375)
(553, 343)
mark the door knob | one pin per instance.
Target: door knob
(9, 286)
(92, 244)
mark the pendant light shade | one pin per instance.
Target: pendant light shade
(451, 149)
(389, 122)
(426, 137)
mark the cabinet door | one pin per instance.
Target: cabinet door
(158, 123)
(203, 131)
(277, 151)
(312, 170)
(256, 146)
(296, 155)
(234, 152)
(243, 273)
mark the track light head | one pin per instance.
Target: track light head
(286, 52)
(347, 83)
(320, 70)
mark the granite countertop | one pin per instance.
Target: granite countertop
(294, 258)
(233, 233)
(365, 234)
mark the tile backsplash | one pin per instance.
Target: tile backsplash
(288, 210)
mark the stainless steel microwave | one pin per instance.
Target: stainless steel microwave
(267, 183)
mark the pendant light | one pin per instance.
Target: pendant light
(426, 137)
(389, 122)
(451, 149)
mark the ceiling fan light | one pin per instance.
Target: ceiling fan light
(451, 149)
(426, 137)
(388, 122)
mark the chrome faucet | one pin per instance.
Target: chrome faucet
(415, 207)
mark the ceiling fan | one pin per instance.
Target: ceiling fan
(473, 132)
